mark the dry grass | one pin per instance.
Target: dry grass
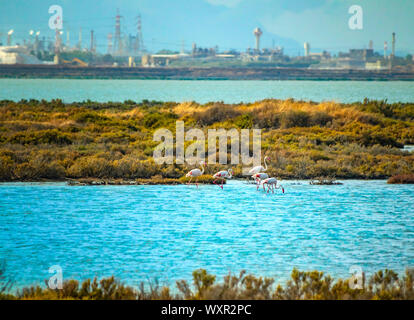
(402, 179)
(187, 108)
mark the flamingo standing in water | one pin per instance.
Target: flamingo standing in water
(259, 177)
(259, 169)
(271, 183)
(225, 174)
(195, 173)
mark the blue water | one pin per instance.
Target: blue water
(203, 91)
(139, 233)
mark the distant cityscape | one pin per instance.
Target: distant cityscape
(129, 51)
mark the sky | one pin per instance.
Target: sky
(228, 24)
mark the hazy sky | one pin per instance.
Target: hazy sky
(226, 23)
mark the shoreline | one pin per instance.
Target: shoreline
(169, 181)
(200, 73)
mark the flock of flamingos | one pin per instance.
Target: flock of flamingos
(258, 173)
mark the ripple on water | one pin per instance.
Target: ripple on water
(165, 232)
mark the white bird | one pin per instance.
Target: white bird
(195, 173)
(259, 177)
(259, 169)
(271, 183)
(222, 175)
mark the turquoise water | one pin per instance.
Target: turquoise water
(203, 91)
(139, 233)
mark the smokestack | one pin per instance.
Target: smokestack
(393, 44)
(91, 41)
(109, 43)
(306, 46)
(385, 49)
(80, 39)
(67, 39)
(118, 49)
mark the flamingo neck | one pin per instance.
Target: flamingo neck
(202, 169)
(265, 163)
(230, 175)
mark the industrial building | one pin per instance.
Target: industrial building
(17, 55)
(128, 50)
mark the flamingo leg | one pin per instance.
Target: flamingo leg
(264, 187)
(216, 183)
(222, 182)
(273, 190)
(196, 182)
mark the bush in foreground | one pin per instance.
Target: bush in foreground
(303, 285)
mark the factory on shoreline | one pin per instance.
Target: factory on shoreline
(123, 50)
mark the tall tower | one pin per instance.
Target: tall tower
(306, 46)
(92, 45)
(57, 41)
(109, 43)
(118, 41)
(393, 44)
(67, 39)
(385, 49)
(139, 42)
(80, 39)
(257, 33)
(58, 44)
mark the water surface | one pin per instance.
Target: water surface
(145, 232)
(203, 91)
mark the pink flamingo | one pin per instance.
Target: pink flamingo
(259, 177)
(271, 183)
(259, 169)
(195, 173)
(225, 174)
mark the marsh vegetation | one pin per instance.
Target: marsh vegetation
(305, 140)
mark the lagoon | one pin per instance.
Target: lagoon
(202, 91)
(141, 233)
